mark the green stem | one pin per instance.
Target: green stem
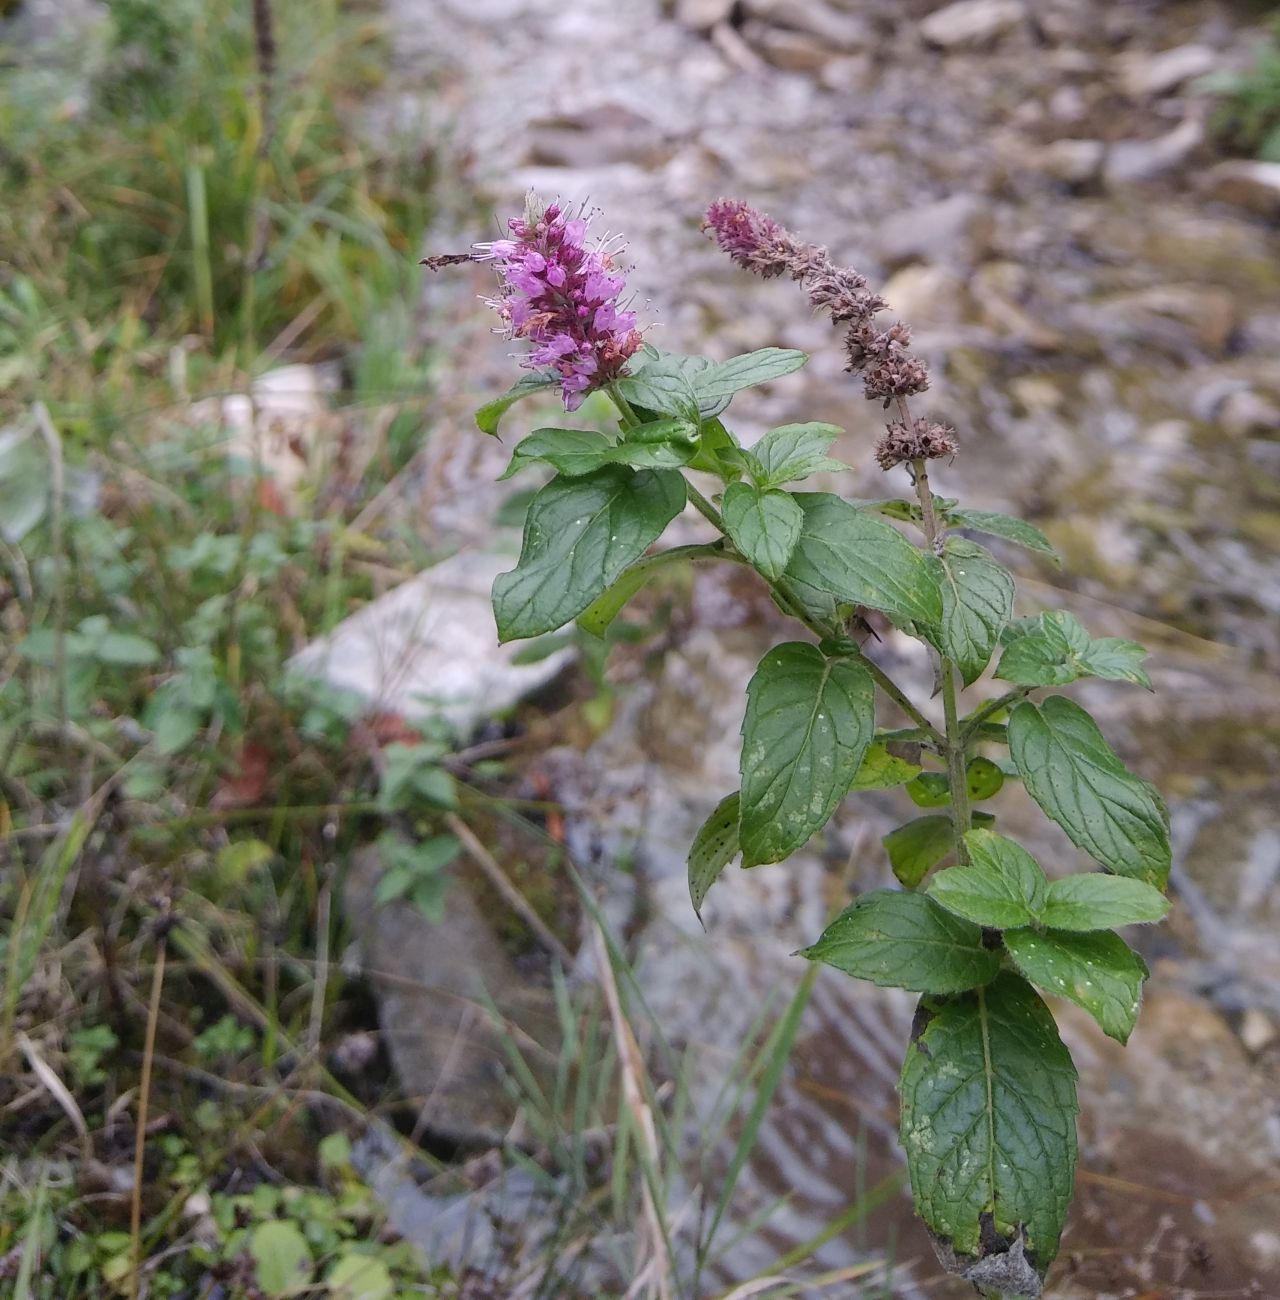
(954, 745)
(791, 603)
(990, 708)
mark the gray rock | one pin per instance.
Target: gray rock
(838, 33)
(434, 984)
(430, 647)
(971, 24)
(1140, 160)
(1145, 76)
(790, 50)
(1251, 185)
(1244, 412)
(1074, 161)
(949, 230)
(703, 14)
(1173, 316)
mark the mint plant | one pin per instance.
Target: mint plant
(978, 929)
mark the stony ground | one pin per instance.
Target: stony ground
(1035, 186)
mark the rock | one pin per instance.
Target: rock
(946, 231)
(926, 296)
(848, 74)
(703, 14)
(280, 426)
(787, 49)
(1172, 316)
(1257, 1031)
(1251, 185)
(1140, 160)
(1144, 76)
(1076, 162)
(433, 982)
(429, 647)
(971, 24)
(835, 32)
(1245, 412)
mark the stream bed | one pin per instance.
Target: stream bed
(1039, 196)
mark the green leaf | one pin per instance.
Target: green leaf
(1117, 660)
(660, 444)
(977, 600)
(571, 452)
(125, 650)
(714, 847)
(1053, 649)
(930, 790)
(902, 940)
(1097, 971)
(1002, 887)
(411, 865)
(881, 770)
(983, 779)
(988, 1121)
(282, 1257)
(579, 535)
(722, 379)
(26, 480)
(599, 615)
(489, 416)
(916, 848)
(1075, 776)
(1092, 901)
(664, 386)
(359, 1277)
(1006, 526)
(808, 723)
(764, 526)
(794, 451)
(863, 560)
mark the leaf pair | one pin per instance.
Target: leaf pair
(693, 388)
(660, 444)
(1059, 933)
(1054, 649)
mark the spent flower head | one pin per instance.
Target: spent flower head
(890, 372)
(562, 295)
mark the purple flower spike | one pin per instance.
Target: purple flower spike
(563, 298)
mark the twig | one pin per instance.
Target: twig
(58, 493)
(631, 1066)
(144, 1101)
(499, 880)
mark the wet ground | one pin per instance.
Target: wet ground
(1040, 198)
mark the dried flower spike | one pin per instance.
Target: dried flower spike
(891, 373)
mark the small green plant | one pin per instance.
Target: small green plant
(988, 1088)
(1248, 116)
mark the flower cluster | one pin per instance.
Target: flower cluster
(562, 297)
(891, 373)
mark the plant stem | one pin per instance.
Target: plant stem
(140, 1136)
(790, 602)
(992, 707)
(954, 746)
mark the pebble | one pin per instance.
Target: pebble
(1141, 160)
(1076, 162)
(1251, 185)
(947, 230)
(1144, 76)
(1257, 1030)
(971, 24)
